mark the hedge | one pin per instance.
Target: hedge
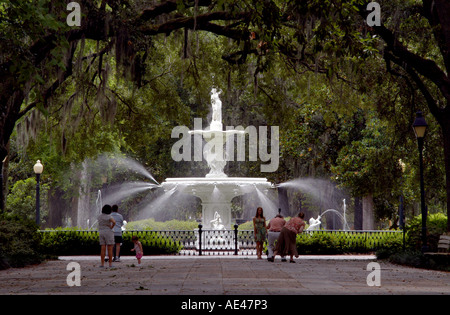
(341, 242)
(19, 242)
(436, 226)
(69, 241)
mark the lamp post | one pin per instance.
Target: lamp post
(38, 168)
(401, 213)
(420, 127)
(2, 196)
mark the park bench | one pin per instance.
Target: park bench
(443, 247)
(442, 256)
(444, 244)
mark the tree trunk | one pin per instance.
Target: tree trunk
(57, 207)
(283, 201)
(10, 103)
(84, 196)
(368, 212)
(358, 219)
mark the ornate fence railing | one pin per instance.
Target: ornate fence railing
(219, 242)
(205, 241)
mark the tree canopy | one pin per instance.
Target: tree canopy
(343, 93)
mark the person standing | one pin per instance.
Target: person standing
(106, 234)
(138, 249)
(275, 225)
(118, 240)
(287, 241)
(259, 229)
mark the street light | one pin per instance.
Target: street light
(2, 197)
(401, 212)
(38, 168)
(420, 127)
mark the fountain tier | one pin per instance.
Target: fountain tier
(216, 190)
(216, 194)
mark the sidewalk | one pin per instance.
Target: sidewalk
(223, 275)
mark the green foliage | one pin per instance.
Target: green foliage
(19, 242)
(436, 225)
(22, 22)
(171, 225)
(311, 67)
(70, 241)
(340, 242)
(246, 226)
(249, 224)
(21, 200)
(417, 259)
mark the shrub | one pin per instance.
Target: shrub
(69, 241)
(151, 224)
(436, 225)
(249, 224)
(21, 200)
(417, 259)
(153, 243)
(246, 226)
(340, 242)
(19, 242)
(317, 243)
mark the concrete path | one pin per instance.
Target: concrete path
(227, 275)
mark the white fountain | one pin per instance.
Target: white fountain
(216, 190)
(314, 224)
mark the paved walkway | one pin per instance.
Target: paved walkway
(227, 275)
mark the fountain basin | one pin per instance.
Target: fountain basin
(216, 194)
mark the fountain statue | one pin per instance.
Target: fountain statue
(216, 138)
(216, 190)
(216, 104)
(217, 222)
(314, 224)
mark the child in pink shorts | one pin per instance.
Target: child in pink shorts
(137, 248)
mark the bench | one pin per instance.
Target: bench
(442, 256)
(444, 244)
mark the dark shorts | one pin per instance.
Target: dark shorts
(118, 239)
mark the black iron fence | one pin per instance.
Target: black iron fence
(219, 242)
(201, 241)
(226, 242)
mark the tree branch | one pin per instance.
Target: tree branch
(437, 13)
(426, 67)
(167, 7)
(201, 22)
(56, 84)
